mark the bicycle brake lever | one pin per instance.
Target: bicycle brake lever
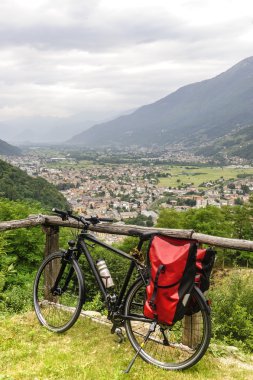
(84, 221)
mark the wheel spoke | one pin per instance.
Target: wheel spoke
(55, 308)
(171, 347)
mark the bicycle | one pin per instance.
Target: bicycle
(59, 295)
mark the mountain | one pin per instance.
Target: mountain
(8, 150)
(238, 142)
(195, 113)
(15, 184)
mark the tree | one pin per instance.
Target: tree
(245, 189)
(238, 201)
(190, 202)
(21, 251)
(141, 220)
(231, 222)
(169, 218)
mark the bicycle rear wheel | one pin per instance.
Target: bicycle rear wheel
(170, 347)
(58, 293)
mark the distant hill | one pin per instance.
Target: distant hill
(15, 184)
(8, 150)
(195, 113)
(41, 130)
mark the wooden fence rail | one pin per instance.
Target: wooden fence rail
(52, 223)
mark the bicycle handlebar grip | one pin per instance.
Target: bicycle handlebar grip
(106, 220)
(58, 211)
(63, 214)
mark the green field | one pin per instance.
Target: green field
(88, 351)
(70, 164)
(179, 175)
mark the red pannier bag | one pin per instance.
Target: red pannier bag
(172, 264)
(204, 264)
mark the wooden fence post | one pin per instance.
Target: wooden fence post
(192, 333)
(52, 239)
(52, 245)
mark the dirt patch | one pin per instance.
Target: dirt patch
(228, 361)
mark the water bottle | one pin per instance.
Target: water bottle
(104, 273)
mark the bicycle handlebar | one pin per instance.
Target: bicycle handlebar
(109, 220)
(63, 214)
(86, 221)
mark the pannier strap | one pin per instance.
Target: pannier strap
(161, 269)
(168, 286)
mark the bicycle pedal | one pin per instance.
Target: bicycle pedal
(120, 335)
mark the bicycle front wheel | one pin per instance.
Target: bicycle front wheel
(170, 347)
(58, 293)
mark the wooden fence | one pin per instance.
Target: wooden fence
(51, 226)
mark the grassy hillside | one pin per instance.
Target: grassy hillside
(17, 185)
(89, 351)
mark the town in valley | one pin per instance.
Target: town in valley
(128, 184)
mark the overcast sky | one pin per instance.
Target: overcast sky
(63, 57)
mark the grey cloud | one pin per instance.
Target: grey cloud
(94, 36)
(83, 25)
(84, 38)
(68, 56)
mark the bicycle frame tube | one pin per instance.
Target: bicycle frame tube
(62, 269)
(126, 282)
(110, 248)
(69, 276)
(133, 264)
(93, 268)
(93, 239)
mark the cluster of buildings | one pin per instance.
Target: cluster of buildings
(119, 192)
(124, 191)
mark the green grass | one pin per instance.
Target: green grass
(197, 175)
(88, 351)
(83, 164)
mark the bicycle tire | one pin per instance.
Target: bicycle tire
(169, 347)
(58, 309)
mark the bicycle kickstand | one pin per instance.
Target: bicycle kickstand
(151, 329)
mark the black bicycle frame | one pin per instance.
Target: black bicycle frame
(81, 245)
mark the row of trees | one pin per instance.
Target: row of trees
(231, 222)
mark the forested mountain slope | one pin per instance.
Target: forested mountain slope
(236, 143)
(8, 150)
(15, 184)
